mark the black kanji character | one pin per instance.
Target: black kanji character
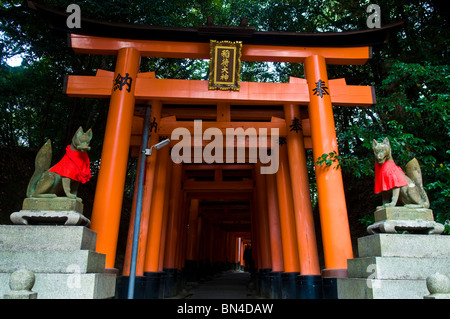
(320, 89)
(153, 125)
(296, 125)
(282, 140)
(121, 81)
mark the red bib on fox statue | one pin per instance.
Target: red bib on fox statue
(75, 165)
(388, 176)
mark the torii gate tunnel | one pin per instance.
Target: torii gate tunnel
(200, 216)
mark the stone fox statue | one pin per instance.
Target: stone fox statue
(67, 174)
(393, 183)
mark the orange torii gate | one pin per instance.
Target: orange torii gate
(143, 87)
(125, 87)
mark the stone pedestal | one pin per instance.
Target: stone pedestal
(51, 211)
(63, 259)
(395, 266)
(413, 220)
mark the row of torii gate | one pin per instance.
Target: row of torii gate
(206, 214)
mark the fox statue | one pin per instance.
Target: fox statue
(65, 177)
(394, 185)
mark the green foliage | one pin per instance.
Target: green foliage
(329, 159)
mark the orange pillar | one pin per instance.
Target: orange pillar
(330, 189)
(306, 234)
(111, 178)
(287, 220)
(242, 254)
(162, 248)
(237, 247)
(263, 223)
(173, 229)
(256, 254)
(182, 243)
(192, 231)
(200, 241)
(276, 247)
(149, 180)
(151, 263)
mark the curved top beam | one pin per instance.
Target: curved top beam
(203, 34)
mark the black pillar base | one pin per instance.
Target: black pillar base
(309, 287)
(122, 287)
(152, 285)
(180, 282)
(264, 282)
(170, 284)
(330, 277)
(275, 284)
(330, 288)
(289, 285)
(191, 270)
(162, 284)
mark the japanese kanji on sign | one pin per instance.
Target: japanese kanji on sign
(225, 65)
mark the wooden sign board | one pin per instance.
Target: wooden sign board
(224, 65)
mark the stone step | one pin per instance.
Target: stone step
(18, 237)
(404, 245)
(57, 261)
(397, 267)
(358, 288)
(68, 286)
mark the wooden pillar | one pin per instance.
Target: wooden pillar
(107, 206)
(276, 247)
(211, 240)
(151, 263)
(237, 255)
(263, 227)
(191, 249)
(162, 248)
(216, 244)
(173, 225)
(228, 245)
(198, 245)
(287, 219)
(242, 254)
(149, 180)
(184, 222)
(306, 235)
(330, 189)
(255, 232)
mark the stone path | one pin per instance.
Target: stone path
(229, 285)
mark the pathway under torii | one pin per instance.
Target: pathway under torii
(198, 216)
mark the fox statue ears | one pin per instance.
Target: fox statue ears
(81, 132)
(385, 141)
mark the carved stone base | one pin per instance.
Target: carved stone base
(51, 211)
(413, 220)
(53, 204)
(48, 217)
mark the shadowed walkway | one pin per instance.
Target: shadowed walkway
(229, 285)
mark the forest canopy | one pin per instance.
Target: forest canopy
(410, 74)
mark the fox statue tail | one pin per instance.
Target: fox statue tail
(413, 171)
(41, 164)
